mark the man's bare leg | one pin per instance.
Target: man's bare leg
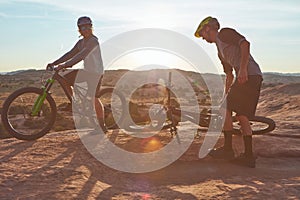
(228, 121)
(245, 125)
(100, 113)
(247, 158)
(68, 89)
(247, 134)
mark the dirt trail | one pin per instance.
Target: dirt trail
(58, 166)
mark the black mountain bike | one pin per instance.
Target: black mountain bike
(172, 115)
(29, 113)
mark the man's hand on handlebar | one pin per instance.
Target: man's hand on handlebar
(51, 67)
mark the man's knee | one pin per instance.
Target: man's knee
(242, 118)
(245, 124)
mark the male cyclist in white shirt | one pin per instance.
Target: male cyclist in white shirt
(87, 50)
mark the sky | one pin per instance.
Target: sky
(36, 32)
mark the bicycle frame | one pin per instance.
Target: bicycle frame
(186, 115)
(40, 100)
(46, 88)
(206, 117)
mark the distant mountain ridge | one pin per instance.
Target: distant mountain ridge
(282, 74)
(32, 70)
(17, 71)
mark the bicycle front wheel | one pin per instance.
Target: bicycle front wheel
(259, 125)
(17, 115)
(113, 102)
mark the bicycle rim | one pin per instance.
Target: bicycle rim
(17, 117)
(259, 125)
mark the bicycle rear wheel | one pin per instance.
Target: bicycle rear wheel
(17, 114)
(259, 125)
(113, 102)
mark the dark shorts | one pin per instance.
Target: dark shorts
(93, 80)
(243, 98)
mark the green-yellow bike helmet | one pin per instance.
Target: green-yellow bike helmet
(208, 21)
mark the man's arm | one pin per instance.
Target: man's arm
(228, 81)
(67, 55)
(245, 54)
(228, 71)
(91, 44)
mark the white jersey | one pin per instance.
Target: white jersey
(88, 50)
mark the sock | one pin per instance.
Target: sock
(228, 140)
(248, 145)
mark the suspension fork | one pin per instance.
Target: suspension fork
(41, 98)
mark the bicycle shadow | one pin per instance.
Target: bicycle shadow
(16, 147)
(130, 185)
(72, 171)
(61, 168)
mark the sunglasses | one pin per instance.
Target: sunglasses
(84, 27)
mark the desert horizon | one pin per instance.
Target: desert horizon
(14, 71)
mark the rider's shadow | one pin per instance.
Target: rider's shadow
(116, 184)
(115, 192)
(166, 183)
(71, 172)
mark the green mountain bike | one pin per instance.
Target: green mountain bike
(29, 113)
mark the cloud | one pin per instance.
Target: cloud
(3, 15)
(173, 14)
(176, 15)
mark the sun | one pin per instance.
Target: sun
(156, 58)
(146, 57)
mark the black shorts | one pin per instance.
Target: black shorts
(243, 98)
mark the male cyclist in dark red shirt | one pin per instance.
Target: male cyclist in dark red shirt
(242, 93)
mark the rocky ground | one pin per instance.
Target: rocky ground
(58, 166)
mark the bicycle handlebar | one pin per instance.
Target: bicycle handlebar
(50, 68)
